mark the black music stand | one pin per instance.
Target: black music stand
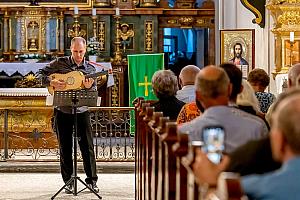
(75, 98)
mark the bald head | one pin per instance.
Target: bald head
(77, 40)
(293, 73)
(212, 82)
(188, 75)
(286, 119)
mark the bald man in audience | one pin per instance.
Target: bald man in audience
(187, 82)
(213, 89)
(293, 73)
(285, 144)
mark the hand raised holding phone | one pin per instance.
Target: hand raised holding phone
(213, 142)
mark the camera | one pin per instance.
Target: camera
(213, 142)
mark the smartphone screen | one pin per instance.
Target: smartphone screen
(213, 139)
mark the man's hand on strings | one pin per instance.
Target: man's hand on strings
(88, 82)
(58, 84)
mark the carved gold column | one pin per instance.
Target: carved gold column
(117, 60)
(94, 19)
(101, 38)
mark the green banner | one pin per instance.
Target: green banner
(141, 68)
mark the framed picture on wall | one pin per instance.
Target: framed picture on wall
(237, 46)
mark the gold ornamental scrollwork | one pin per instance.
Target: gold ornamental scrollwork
(259, 17)
(148, 36)
(101, 35)
(113, 2)
(135, 2)
(186, 21)
(200, 22)
(289, 18)
(172, 21)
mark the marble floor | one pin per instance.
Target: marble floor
(42, 186)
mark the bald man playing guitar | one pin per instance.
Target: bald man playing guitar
(63, 117)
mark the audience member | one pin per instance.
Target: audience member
(285, 142)
(293, 73)
(246, 100)
(235, 76)
(260, 80)
(298, 81)
(165, 86)
(187, 82)
(212, 90)
(188, 112)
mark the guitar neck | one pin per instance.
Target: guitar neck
(96, 74)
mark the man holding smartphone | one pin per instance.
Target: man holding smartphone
(285, 145)
(213, 90)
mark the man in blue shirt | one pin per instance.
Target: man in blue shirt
(213, 90)
(285, 144)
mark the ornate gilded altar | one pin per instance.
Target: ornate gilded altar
(25, 121)
(286, 15)
(137, 29)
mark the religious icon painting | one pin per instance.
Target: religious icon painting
(237, 46)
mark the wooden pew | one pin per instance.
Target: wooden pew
(153, 124)
(193, 189)
(138, 109)
(141, 152)
(180, 149)
(161, 129)
(148, 151)
(169, 138)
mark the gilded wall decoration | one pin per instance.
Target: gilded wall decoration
(102, 35)
(126, 33)
(148, 36)
(286, 16)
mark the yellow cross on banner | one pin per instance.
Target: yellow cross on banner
(146, 84)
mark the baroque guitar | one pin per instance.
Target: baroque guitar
(73, 80)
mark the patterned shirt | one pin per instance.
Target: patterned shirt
(265, 99)
(188, 112)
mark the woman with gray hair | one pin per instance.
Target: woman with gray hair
(165, 86)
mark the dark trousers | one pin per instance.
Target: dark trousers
(64, 128)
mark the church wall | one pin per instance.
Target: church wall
(233, 15)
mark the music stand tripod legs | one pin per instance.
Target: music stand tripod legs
(74, 177)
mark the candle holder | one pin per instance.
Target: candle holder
(117, 60)
(94, 19)
(291, 52)
(76, 31)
